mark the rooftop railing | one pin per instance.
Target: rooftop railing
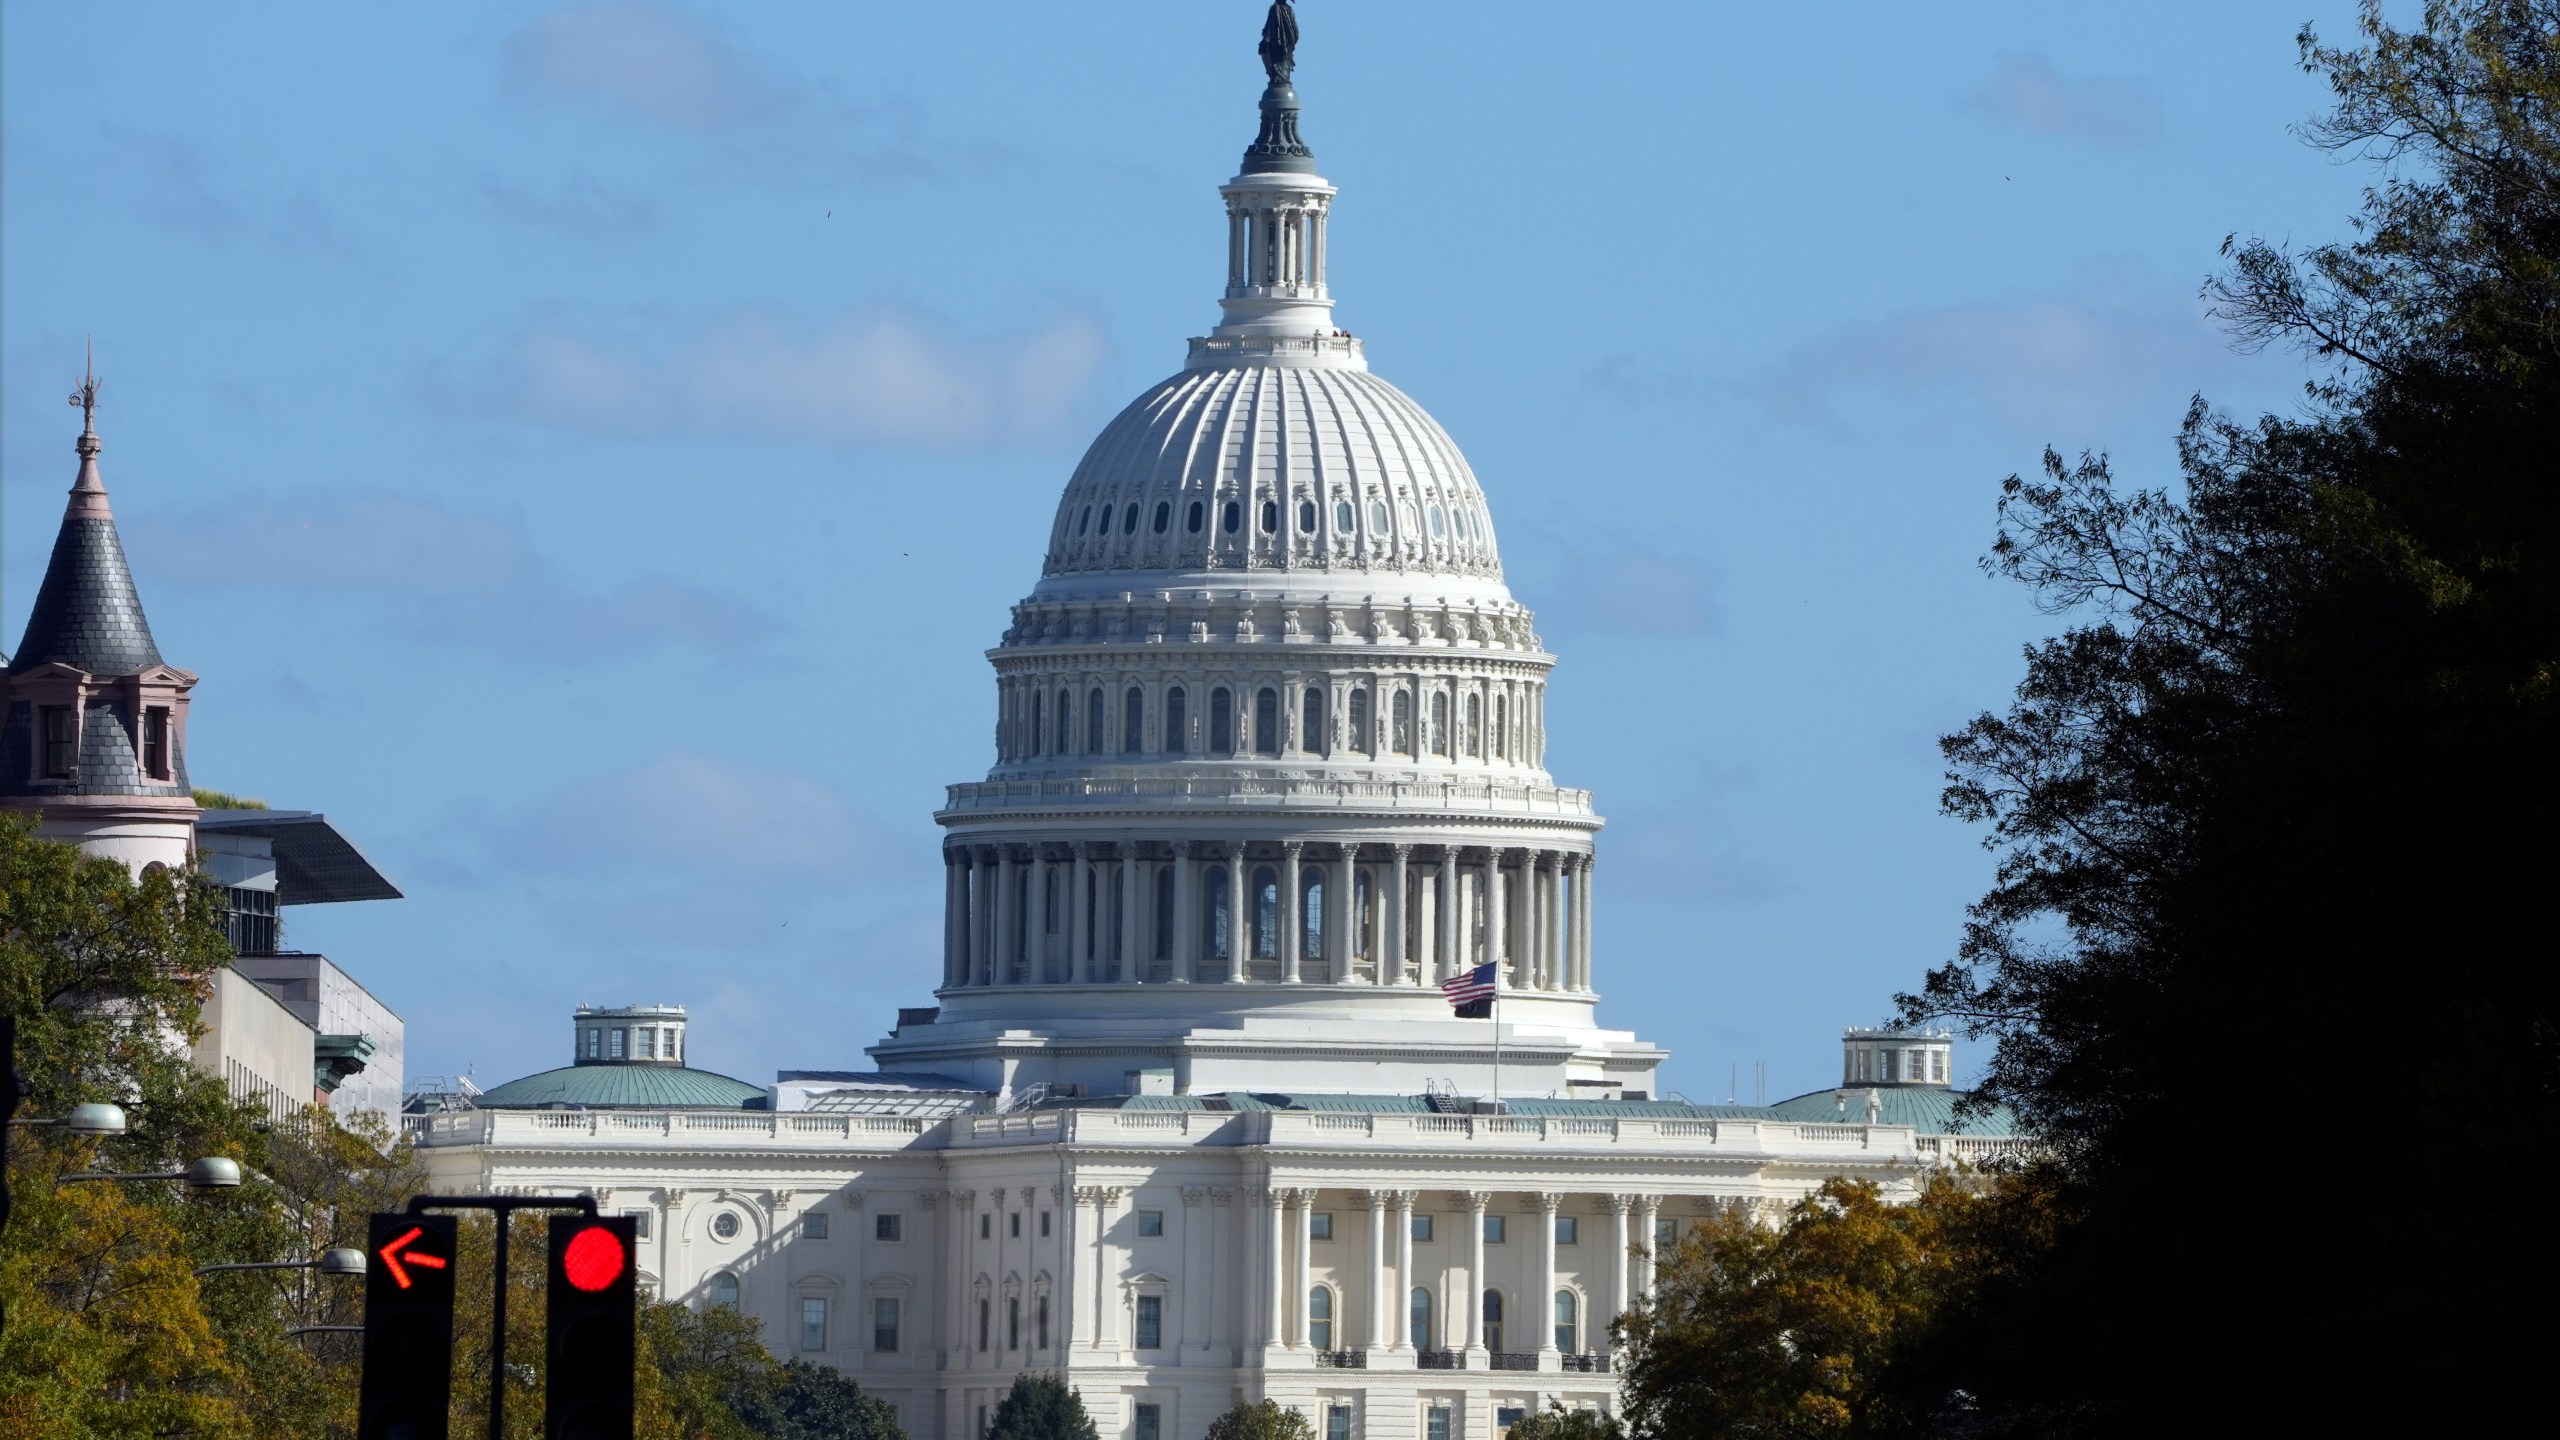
(1294, 792)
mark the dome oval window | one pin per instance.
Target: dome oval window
(1084, 522)
(1164, 515)
(1129, 524)
(1270, 516)
(1232, 518)
(1342, 517)
(1306, 517)
(1199, 515)
(1378, 516)
(1466, 531)
(1437, 529)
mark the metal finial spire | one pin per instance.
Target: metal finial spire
(1277, 146)
(86, 395)
(1279, 46)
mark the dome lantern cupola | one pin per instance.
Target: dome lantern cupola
(1276, 211)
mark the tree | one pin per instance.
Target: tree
(1557, 1423)
(1040, 1407)
(2274, 818)
(1261, 1420)
(803, 1401)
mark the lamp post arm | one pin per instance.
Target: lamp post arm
(111, 1175)
(260, 1265)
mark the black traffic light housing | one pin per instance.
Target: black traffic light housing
(408, 1328)
(592, 1319)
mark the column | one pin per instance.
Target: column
(1391, 943)
(1648, 1211)
(1289, 903)
(1008, 936)
(1080, 916)
(1477, 1203)
(1302, 1268)
(1035, 916)
(1341, 912)
(1275, 1315)
(1129, 926)
(964, 1227)
(1496, 936)
(1616, 1293)
(1559, 940)
(1239, 933)
(955, 890)
(1221, 1262)
(982, 916)
(1582, 923)
(1100, 1197)
(1444, 917)
(1381, 1284)
(1190, 1298)
(1186, 912)
(1399, 1306)
(1533, 923)
(1545, 1308)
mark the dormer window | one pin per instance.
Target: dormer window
(58, 732)
(155, 742)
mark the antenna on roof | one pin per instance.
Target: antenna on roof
(86, 394)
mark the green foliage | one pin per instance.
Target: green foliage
(1261, 1420)
(2273, 816)
(1557, 1423)
(217, 800)
(1040, 1407)
(803, 1401)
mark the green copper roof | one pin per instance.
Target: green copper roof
(1925, 1108)
(624, 1087)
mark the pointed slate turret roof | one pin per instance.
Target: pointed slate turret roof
(87, 614)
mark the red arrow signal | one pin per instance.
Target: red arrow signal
(392, 1257)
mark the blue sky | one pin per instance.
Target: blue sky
(586, 450)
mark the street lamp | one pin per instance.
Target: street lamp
(213, 1172)
(95, 1118)
(340, 1261)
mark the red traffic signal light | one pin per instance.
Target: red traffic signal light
(392, 1253)
(408, 1328)
(592, 1313)
(594, 1259)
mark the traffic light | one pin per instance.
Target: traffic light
(592, 1316)
(408, 1328)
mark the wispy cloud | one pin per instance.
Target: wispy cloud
(579, 207)
(182, 183)
(1630, 586)
(1684, 855)
(699, 817)
(646, 59)
(439, 576)
(880, 375)
(2027, 92)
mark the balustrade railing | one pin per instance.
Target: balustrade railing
(1596, 1363)
(1342, 1359)
(1440, 1359)
(1515, 1359)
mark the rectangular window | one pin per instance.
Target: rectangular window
(155, 743)
(986, 1227)
(982, 1419)
(1150, 1423)
(1150, 1322)
(1040, 1322)
(1013, 1322)
(1337, 1422)
(1506, 1416)
(885, 1227)
(1013, 1225)
(1320, 1225)
(813, 1322)
(1568, 1230)
(884, 1324)
(1666, 1233)
(639, 1223)
(1494, 1229)
(56, 720)
(1150, 1223)
(1422, 1227)
(1044, 1224)
(1435, 1423)
(813, 1226)
(618, 1042)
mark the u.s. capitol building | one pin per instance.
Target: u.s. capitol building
(1193, 1122)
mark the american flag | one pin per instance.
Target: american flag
(1474, 988)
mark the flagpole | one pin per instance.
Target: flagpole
(1493, 1012)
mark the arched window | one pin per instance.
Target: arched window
(1438, 530)
(1093, 719)
(724, 1290)
(1129, 523)
(1402, 736)
(1164, 515)
(1266, 913)
(1222, 721)
(1493, 1320)
(1378, 516)
(1199, 514)
(1084, 521)
(1306, 517)
(1358, 739)
(1231, 518)
(1164, 913)
(1320, 1318)
(1440, 723)
(1266, 721)
(1177, 738)
(1311, 914)
(1270, 516)
(1066, 727)
(1501, 722)
(1133, 723)
(1417, 1319)
(1568, 1331)
(1475, 726)
(1342, 517)
(1311, 722)
(1039, 724)
(1217, 929)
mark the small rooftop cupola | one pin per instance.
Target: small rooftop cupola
(630, 1035)
(1277, 305)
(1897, 1057)
(94, 728)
